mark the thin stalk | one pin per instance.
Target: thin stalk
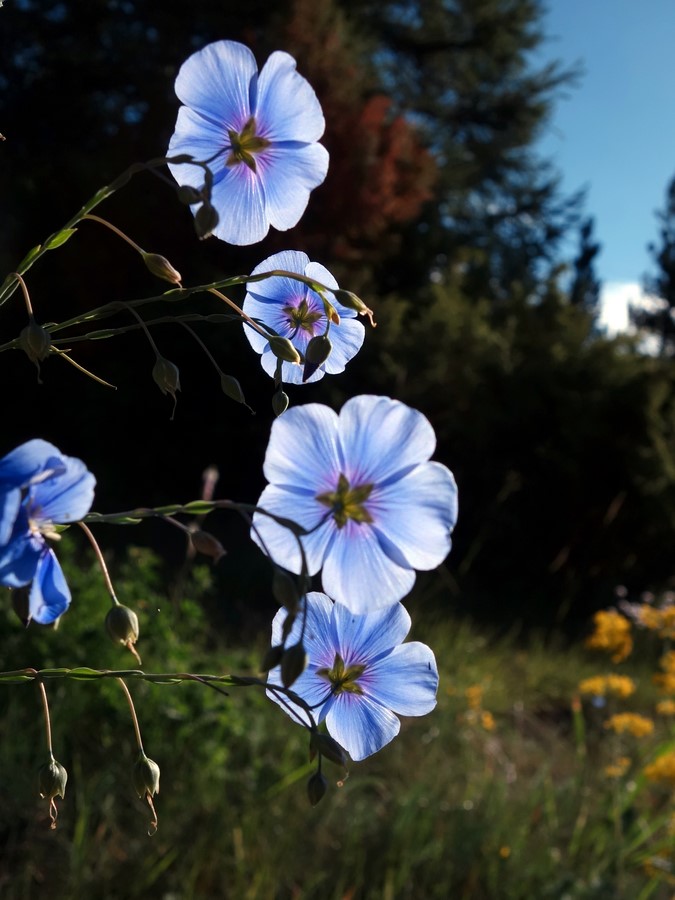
(101, 562)
(45, 710)
(134, 717)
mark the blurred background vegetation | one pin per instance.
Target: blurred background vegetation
(440, 212)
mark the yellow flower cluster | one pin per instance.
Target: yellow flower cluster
(476, 714)
(612, 633)
(666, 707)
(604, 685)
(618, 768)
(633, 723)
(474, 696)
(662, 770)
(662, 621)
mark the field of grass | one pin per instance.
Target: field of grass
(512, 788)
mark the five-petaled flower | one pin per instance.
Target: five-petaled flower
(296, 312)
(257, 132)
(39, 488)
(374, 507)
(359, 672)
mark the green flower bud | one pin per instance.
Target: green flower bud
(146, 776)
(317, 352)
(283, 349)
(293, 664)
(351, 301)
(204, 542)
(52, 779)
(280, 402)
(167, 378)
(161, 267)
(231, 388)
(285, 590)
(122, 625)
(272, 658)
(188, 195)
(35, 341)
(328, 747)
(316, 787)
(206, 219)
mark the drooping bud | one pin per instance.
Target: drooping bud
(204, 542)
(231, 388)
(286, 628)
(167, 378)
(121, 623)
(52, 779)
(161, 267)
(285, 590)
(351, 301)
(35, 341)
(328, 747)
(317, 352)
(272, 658)
(293, 664)
(280, 402)
(283, 349)
(316, 788)
(206, 219)
(145, 776)
(188, 195)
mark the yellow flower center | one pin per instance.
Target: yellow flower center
(343, 679)
(244, 145)
(301, 316)
(347, 502)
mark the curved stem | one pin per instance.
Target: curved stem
(134, 717)
(101, 562)
(115, 230)
(45, 709)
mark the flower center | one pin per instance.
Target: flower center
(347, 502)
(343, 679)
(301, 316)
(244, 144)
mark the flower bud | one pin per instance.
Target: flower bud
(328, 747)
(204, 542)
(161, 267)
(351, 301)
(317, 352)
(283, 349)
(35, 341)
(188, 195)
(285, 590)
(231, 388)
(206, 219)
(272, 658)
(167, 378)
(289, 622)
(316, 787)
(293, 664)
(52, 779)
(122, 624)
(145, 776)
(280, 402)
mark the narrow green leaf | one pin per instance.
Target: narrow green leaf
(59, 237)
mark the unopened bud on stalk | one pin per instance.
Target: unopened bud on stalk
(280, 402)
(52, 779)
(316, 787)
(231, 388)
(293, 664)
(328, 747)
(188, 195)
(121, 623)
(272, 658)
(167, 378)
(285, 590)
(146, 776)
(317, 352)
(283, 349)
(351, 301)
(204, 542)
(161, 267)
(35, 341)
(206, 219)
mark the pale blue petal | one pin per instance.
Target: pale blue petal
(405, 681)
(240, 202)
(63, 498)
(19, 559)
(10, 503)
(347, 339)
(217, 81)
(361, 726)
(358, 573)
(303, 451)
(289, 173)
(49, 594)
(382, 438)
(280, 542)
(291, 373)
(200, 139)
(363, 639)
(287, 108)
(414, 516)
(280, 287)
(21, 464)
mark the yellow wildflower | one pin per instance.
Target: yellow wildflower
(661, 621)
(487, 720)
(611, 634)
(666, 682)
(505, 852)
(633, 723)
(474, 696)
(662, 770)
(600, 685)
(666, 707)
(618, 768)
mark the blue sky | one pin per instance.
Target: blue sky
(615, 132)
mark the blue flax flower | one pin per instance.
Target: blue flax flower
(295, 312)
(258, 132)
(39, 488)
(361, 484)
(359, 672)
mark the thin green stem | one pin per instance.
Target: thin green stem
(45, 710)
(101, 562)
(115, 230)
(134, 717)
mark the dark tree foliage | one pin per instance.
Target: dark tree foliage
(585, 287)
(659, 320)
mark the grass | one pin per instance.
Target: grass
(499, 793)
